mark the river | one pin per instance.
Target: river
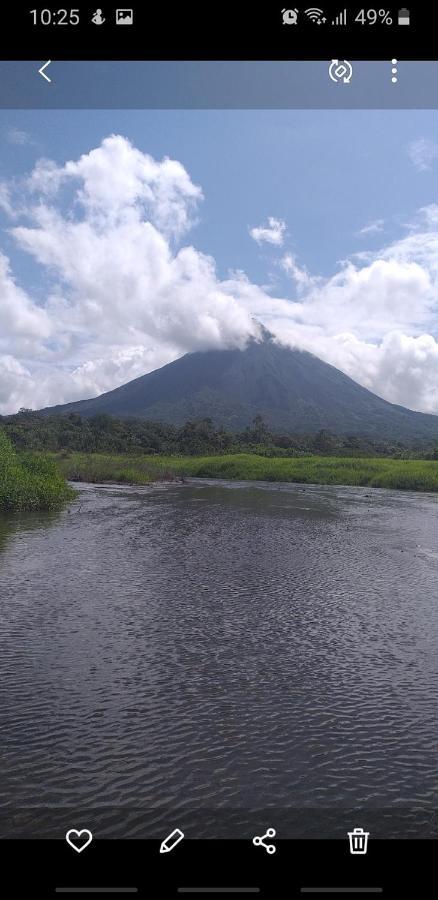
(213, 654)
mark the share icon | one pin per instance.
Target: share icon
(260, 841)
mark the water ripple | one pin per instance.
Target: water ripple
(215, 646)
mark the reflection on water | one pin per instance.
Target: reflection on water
(225, 647)
(11, 523)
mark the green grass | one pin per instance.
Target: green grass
(29, 481)
(400, 474)
(98, 468)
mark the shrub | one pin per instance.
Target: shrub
(30, 480)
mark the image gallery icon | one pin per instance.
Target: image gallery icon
(124, 16)
(358, 841)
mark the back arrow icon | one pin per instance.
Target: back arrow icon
(42, 72)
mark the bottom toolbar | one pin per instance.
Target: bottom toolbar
(42, 868)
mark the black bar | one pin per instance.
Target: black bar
(395, 868)
(237, 31)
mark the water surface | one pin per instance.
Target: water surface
(210, 649)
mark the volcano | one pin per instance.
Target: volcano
(294, 392)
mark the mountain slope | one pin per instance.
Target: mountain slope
(293, 390)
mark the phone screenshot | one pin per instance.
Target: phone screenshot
(218, 451)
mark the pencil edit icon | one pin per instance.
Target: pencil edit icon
(171, 841)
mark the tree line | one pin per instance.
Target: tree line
(29, 430)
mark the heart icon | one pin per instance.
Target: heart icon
(79, 839)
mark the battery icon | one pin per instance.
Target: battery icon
(404, 17)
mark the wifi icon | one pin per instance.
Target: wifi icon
(315, 15)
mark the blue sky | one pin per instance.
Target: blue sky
(326, 173)
(322, 176)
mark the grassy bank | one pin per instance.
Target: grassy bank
(100, 468)
(29, 481)
(412, 475)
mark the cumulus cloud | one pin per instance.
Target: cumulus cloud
(21, 320)
(116, 181)
(125, 296)
(15, 383)
(127, 292)
(423, 153)
(271, 233)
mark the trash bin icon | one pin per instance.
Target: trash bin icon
(358, 841)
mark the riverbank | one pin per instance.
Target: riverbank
(30, 481)
(397, 474)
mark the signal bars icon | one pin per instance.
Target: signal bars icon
(341, 19)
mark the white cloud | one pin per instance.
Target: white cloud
(15, 383)
(18, 137)
(116, 182)
(303, 280)
(22, 322)
(401, 368)
(376, 322)
(124, 298)
(272, 233)
(127, 294)
(5, 199)
(423, 153)
(40, 384)
(375, 227)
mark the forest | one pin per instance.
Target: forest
(101, 433)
